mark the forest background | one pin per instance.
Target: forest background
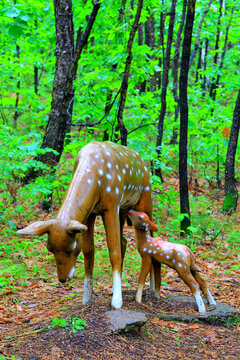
(128, 87)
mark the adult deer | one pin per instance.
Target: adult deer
(108, 180)
(176, 256)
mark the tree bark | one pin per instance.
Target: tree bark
(124, 86)
(16, 113)
(175, 71)
(183, 101)
(231, 193)
(66, 68)
(166, 65)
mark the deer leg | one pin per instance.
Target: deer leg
(112, 227)
(87, 245)
(145, 205)
(123, 240)
(157, 277)
(146, 266)
(203, 286)
(194, 287)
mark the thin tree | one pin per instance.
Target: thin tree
(67, 57)
(183, 102)
(175, 70)
(166, 64)
(124, 86)
(231, 193)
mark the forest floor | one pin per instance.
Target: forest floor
(27, 309)
(26, 330)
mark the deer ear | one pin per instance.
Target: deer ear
(76, 226)
(37, 228)
(153, 227)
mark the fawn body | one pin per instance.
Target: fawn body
(176, 256)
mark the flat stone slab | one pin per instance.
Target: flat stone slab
(220, 314)
(122, 320)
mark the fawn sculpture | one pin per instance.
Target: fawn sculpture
(108, 180)
(176, 256)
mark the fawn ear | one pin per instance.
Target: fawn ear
(153, 227)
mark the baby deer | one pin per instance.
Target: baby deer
(176, 256)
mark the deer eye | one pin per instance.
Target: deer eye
(140, 217)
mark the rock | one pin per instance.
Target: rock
(125, 320)
(220, 314)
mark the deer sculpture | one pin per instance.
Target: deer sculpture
(176, 256)
(108, 180)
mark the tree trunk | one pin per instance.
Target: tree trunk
(166, 65)
(124, 86)
(213, 85)
(175, 71)
(62, 95)
(66, 68)
(183, 101)
(16, 113)
(231, 193)
(150, 41)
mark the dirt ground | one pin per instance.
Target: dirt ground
(157, 339)
(26, 313)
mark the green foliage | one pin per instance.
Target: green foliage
(73, 324)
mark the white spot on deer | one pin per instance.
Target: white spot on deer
(167, 257)
(149, 251)
(108, 153)
(109, 165)
(117, 167)
(117, 190)
(125, 186)
(174, 261)
(179, 264)
(151, 244)
(127, 166)
(88, 170)
(99, 182)
(122, 198)
(97, 156)
(100, 171)
(89, 181)
(147, 188)
(154, 252)
(119, 178)
(124, 171)
(108, 188)
(74, 245)
(130, 172)
(102, 160)
(145, 249)
(145, 168)
(109, 176)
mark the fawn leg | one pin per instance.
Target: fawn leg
(203, 286)
(146, 266)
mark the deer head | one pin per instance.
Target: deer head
(62, 242)
(141, 221)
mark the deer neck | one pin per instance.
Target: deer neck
(81, 196)
(141, 238)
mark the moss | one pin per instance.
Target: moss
(230, 202)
